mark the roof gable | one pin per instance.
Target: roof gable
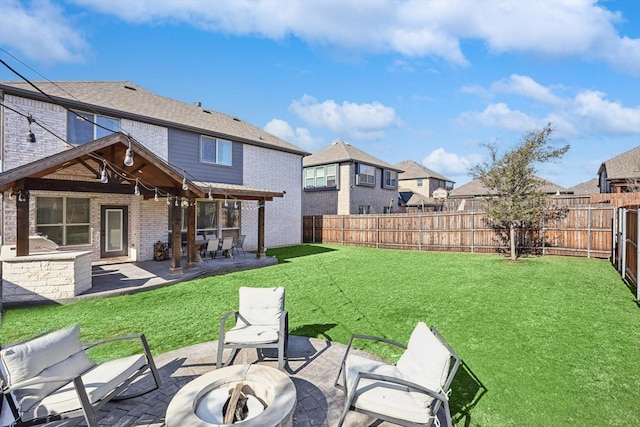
(622, 166)
(476, 188)
(414, 170)
(341, 152)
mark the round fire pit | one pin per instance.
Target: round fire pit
(268, 396)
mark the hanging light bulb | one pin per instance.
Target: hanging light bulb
(136, 189)
(128, 157)
(235, 204)
(185, 186)
(11, 194)
(168, 200)
(210, 196)
(20, 198)
(31, 137)
(177, 202)
(103, 175)
(226, 203)
(156, 198)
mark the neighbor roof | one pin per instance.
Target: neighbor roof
(587, 187)
(476, 188)
(623, 166)
(128, 100)
(413, 170)
(340, 152)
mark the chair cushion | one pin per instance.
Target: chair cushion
(26, 360)
(383, 398)
(251, 335)
(425, 362)
(261, 306)
(98, 382)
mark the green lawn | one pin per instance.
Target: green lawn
(550, 342)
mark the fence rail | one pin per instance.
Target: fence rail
(578, 231)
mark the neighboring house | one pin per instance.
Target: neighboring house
(341, 179)
(620, 174)
(238, 178)
(585, 188)
(419, 179)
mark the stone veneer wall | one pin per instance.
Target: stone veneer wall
(46, 277)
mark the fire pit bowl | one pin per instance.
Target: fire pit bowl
(270, 398)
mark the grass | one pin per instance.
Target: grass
(551, 341)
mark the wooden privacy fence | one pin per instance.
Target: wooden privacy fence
(626, 249)
(578, 231)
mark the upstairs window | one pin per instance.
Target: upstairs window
(216, 151)
(365, 175)
(324, 176)
(419, 182)
(85, 127)
(390, 179)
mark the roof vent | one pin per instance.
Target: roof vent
(206, 111)
(198, 104)
(130, 87)
(236, 119)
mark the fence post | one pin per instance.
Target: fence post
(614, 236)
(589, 232)
(637, 254)
(544, 233)
(420, 231)
(377, 231)
(473, 229)
(313, 229)
(623, 246)
(342, 233)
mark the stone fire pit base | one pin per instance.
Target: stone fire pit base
(270, 385)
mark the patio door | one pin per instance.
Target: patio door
(114, 222)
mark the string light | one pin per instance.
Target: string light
(156, 198)
(103, 175)
(168, 200)
(210, 196)
(21, 197)
(177, 202)
(226, 204)
(128, 156)
(136, 189)
(11, 194)
(31, 137)
(235, 204)
(185, 186)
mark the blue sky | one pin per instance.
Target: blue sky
(425, 80)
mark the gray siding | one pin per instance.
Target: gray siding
(184, 153)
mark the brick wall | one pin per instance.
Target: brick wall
(277, 171)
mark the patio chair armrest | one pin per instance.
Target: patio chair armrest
(223, 320)
(88, 345)
(362, 337)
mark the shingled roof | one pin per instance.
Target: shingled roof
(414, 170)
(128, 100)
(340, 152)
(476, 188)
(623, 166)
(587, 187)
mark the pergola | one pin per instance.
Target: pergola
(148, 169)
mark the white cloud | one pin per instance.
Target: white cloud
(600, 115)
(413, 28)
(450, 163)
(359, 121)
(40, 31)
(527, 87)
(300, 136)
(499, 115)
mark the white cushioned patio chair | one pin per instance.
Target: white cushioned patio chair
(409, 393)
(50, 377)
(260, 322)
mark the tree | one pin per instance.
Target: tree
(515, 196)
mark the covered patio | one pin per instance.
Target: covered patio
(115, 169)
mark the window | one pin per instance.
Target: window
(390, 179)
(449, 186)
(365, 174)
(321, 176)
(419, 182)
(84, 127)
(65, 220)
(207, 217)
(364, 209)
(216, 151)
(388, 209)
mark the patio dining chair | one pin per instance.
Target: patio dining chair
(213, 245)
(409, 393)
(260, 322)
(237, 244)
(225, 248)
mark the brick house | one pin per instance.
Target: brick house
(235, 171)
(417, 184)
(342, 180)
